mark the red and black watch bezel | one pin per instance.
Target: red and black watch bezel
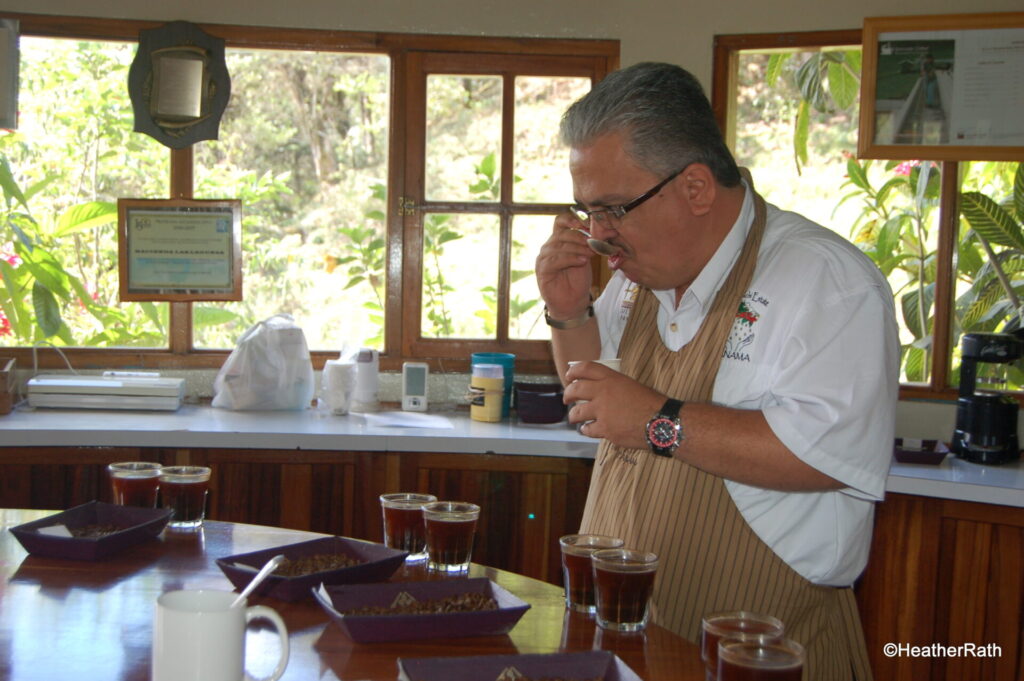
(664, 430)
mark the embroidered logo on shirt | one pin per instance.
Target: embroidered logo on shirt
(742, 333)
(628, 300)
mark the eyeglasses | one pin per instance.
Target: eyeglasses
(610, 215)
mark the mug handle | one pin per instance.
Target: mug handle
(263, 612)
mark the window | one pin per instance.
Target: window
(395, 190)
(788, 103)
(491, 178)
(65, 286)
(311, 167)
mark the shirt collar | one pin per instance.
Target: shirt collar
(702, 291)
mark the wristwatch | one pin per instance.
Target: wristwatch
(665, 431)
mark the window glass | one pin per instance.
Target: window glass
(987, 300)
(541, 160)
(73, 155)
(310, 165)
(304, 146)
(526, 310)
(460, 276)
(463, 138)
(801, 151)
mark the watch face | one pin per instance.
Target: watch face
(662, 432)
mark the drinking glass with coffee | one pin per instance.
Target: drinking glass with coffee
(735, 625)
(135, 483)
(623, 583)
(450, 528)
(577, 572)
(183, 489)
(404, 527)
(762, 658)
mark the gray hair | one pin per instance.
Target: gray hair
(665, 115)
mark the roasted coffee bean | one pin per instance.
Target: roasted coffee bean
(471, 602)
(318, 562)
(93, 531)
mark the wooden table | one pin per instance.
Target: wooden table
(85, 620)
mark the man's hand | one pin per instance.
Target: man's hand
(736, 444)
(563, 269)
(616, 407)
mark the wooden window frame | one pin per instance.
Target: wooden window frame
(533, 353)
(403, 259)
(723, 88)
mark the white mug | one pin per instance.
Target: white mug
(198, 636)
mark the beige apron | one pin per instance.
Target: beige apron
(710, 559)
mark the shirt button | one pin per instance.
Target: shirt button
(674, 327)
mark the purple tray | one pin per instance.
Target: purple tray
(378, 563)
(372, 628)
(594, 664)
(930, 452)
(138, 525)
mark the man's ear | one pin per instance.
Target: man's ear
(698, 183)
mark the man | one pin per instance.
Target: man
(749, 433)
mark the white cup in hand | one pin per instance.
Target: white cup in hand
(612, 363)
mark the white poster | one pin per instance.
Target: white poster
(950, 88)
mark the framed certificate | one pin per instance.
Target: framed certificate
(179, 249)
(943, 88)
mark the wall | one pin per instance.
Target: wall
(664, 30)
(661, 30)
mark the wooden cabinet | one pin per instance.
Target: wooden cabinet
(323, 491)
(946, 572)
(527, 502)
(61, 477)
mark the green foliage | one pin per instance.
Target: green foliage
(994, 295)
(437, 231)
(40, 291)
(828, 81)
(896, 225)
(894, 229)
(366, 261)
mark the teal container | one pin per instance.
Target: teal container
(508, 362)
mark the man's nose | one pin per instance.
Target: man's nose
(601, 229)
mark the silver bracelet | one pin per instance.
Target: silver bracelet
(569, 323)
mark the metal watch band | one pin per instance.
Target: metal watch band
(569, 323)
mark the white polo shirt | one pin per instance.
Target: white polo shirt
(815, 347)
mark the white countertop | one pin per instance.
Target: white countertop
(195, 426)
(200, 426)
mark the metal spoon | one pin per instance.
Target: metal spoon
(260, 576)
(597, 245)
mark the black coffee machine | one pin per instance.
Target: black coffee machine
(986, 421)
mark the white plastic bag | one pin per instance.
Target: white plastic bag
(269, 369)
